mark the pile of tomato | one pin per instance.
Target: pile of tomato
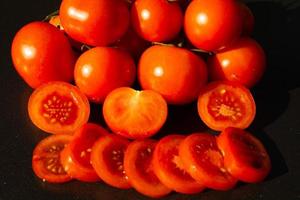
(134, 58)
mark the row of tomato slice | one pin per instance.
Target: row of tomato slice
(185, 164)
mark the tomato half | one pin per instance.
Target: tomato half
(248, 19)
(108, 160)
(244, 155)
(139, 169)
(224, 104)
(168, 166)
(204, 162)
(46, 159)
(135, 114)
(58, 108)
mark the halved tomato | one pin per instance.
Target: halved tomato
(225, 104)
(107, 159)
(46, 159)
(58, 108)
(139, 169)
(169, 169)
(204, 162)
(244, 155)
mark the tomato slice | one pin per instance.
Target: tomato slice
(204, 162)
(46, 159)
(76, 157)
(244, 155)
(224, 104)
(58, 108)
(107, 160)
(139, 169)
(135, 114)
(168, 166)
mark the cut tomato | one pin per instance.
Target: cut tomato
(204, 162)
(244, 155)
(58, 108)
(107, 160)
(168, 166)
(46, 159)
(139, 169)
(225, 104)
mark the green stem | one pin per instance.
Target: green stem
(48, 17)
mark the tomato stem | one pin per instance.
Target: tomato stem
(85, 47)
(48, 17)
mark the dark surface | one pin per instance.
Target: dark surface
(277, 122)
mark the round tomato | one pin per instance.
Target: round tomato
(224, 104)
(204, 162)
(243, 62)
(100, 70)
(248, 19)
(58, 107)
(135, 114)
(210, 25)
(39, 51)
(107, 159)
(177, 74)
(244, 155)
(139, 169)
(168, 166)
(97, 22)
(46, 159)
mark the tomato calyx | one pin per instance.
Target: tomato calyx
(50, 16)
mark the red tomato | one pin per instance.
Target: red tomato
(177, 74)
(46, 159)
(39, 51)
(204, 162)
(135, 114)
(244, 155)
(58, 107)
(243, 62)
(210, 25)
(225, 104)
(156, 20)
(107, 160)
(139, 169)
(248, 19)
(97, 22)
(76, 157)
(169, 169)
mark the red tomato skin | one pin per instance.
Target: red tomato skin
(42, 53)
(248, 19)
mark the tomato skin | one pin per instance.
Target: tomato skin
(39, 51)
(243, 62)
(96, 23)
(211, 25)
(248, 19)
(177, 74)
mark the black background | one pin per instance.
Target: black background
(277, 122)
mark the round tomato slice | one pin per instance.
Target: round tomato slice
(244, 155)
(204, 162)
(107, 160)
(76, 157)
(169, 169)
(58, 108)
(46, 159)
(225, 104)
(139, 169)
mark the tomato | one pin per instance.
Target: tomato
(139, 169)
(134, 114)
(100, 70)
(224, 104)
(243, 62)
(169, 169)
(46, 159)
(156, 20)
(96, 23)
(39, 51)
(248, 19)
(107, 160)
(211, 25)
(58, 107)
(244, 155)
(177, 74)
